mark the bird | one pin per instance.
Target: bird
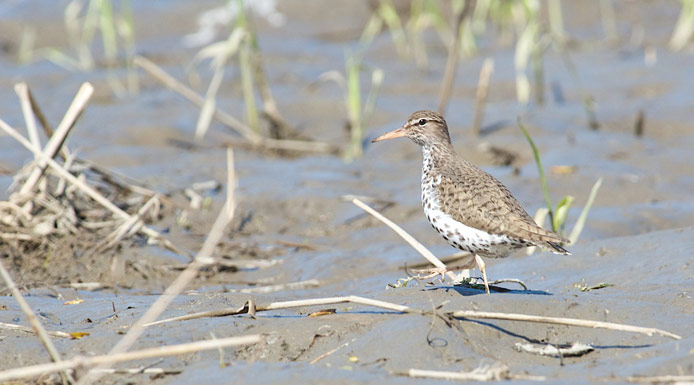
(471, 209)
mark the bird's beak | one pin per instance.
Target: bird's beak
(400, 132)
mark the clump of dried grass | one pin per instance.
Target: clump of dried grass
(62, 207)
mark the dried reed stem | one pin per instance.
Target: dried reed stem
(22, 91)
(494, 373)
(452, 61)
(291, 304)
(56, 141)
(27, 329)
(249, 307)
(331, 351)
(132, 225)
(192, 96)
(482, 92)
(252, 138)
(281, 287)
(577, 349)
(476, 375)
(34, 322)
(563, 321)
(286, 144)
(657, 379)
(162, 351)
(404, 235)
(47, 129)
(91, 192)
(204, 257)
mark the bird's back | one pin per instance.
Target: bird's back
(476, 199)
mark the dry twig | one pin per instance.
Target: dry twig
(56, 141)
(246, 308)
(251, 138)
(482, 92)
(329, 352)
(452, 61)
(27, 329)
(281, 287)
(407, 237)
(203, 258)
(486, 373)
(657, 379)
(577, 349)
(563, 321)
(91, 192)
(162, 351)
(35, 324)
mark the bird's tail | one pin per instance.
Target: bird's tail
(557, 248)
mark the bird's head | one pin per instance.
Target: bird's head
(425, 128)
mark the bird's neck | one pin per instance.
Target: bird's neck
(433, 155)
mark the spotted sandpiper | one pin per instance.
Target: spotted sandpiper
(471, 209)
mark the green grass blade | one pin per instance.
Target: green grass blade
(246, 67)
(561, 213)
(126, 28)
(543, 180)
(373, 27)
(578, 227)
(108, 32)
(354, 107)
(376, 81)
(684, 29)
(390, 16)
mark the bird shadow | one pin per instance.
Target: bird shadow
(468, 290)
(544, 342)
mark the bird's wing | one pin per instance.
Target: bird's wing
(477, 199)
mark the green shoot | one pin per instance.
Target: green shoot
(684, 29)
(247, 70)
(401, 282)
(126, 28)
(558, 216)
(388, 14)
(359, 114)
(561, 213)
(82, 26)
(543, 179)
(352, 65)
(578, 227)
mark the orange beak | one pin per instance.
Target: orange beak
(399, 133)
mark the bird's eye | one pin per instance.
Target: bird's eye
(422, 122)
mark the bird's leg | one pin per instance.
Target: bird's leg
(436, 271)
(482, 266)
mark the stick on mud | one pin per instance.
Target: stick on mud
(564, 321)
(203, 258)
(34, 322)
(109, 359)
(407, 237)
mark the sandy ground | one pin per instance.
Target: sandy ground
(637, 238)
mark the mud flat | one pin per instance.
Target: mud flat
(293, 237)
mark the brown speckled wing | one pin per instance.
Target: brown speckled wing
(477, 199)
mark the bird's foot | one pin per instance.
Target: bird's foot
(441, 271)
(431, 273)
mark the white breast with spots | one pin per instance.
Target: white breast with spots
(456, 233)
